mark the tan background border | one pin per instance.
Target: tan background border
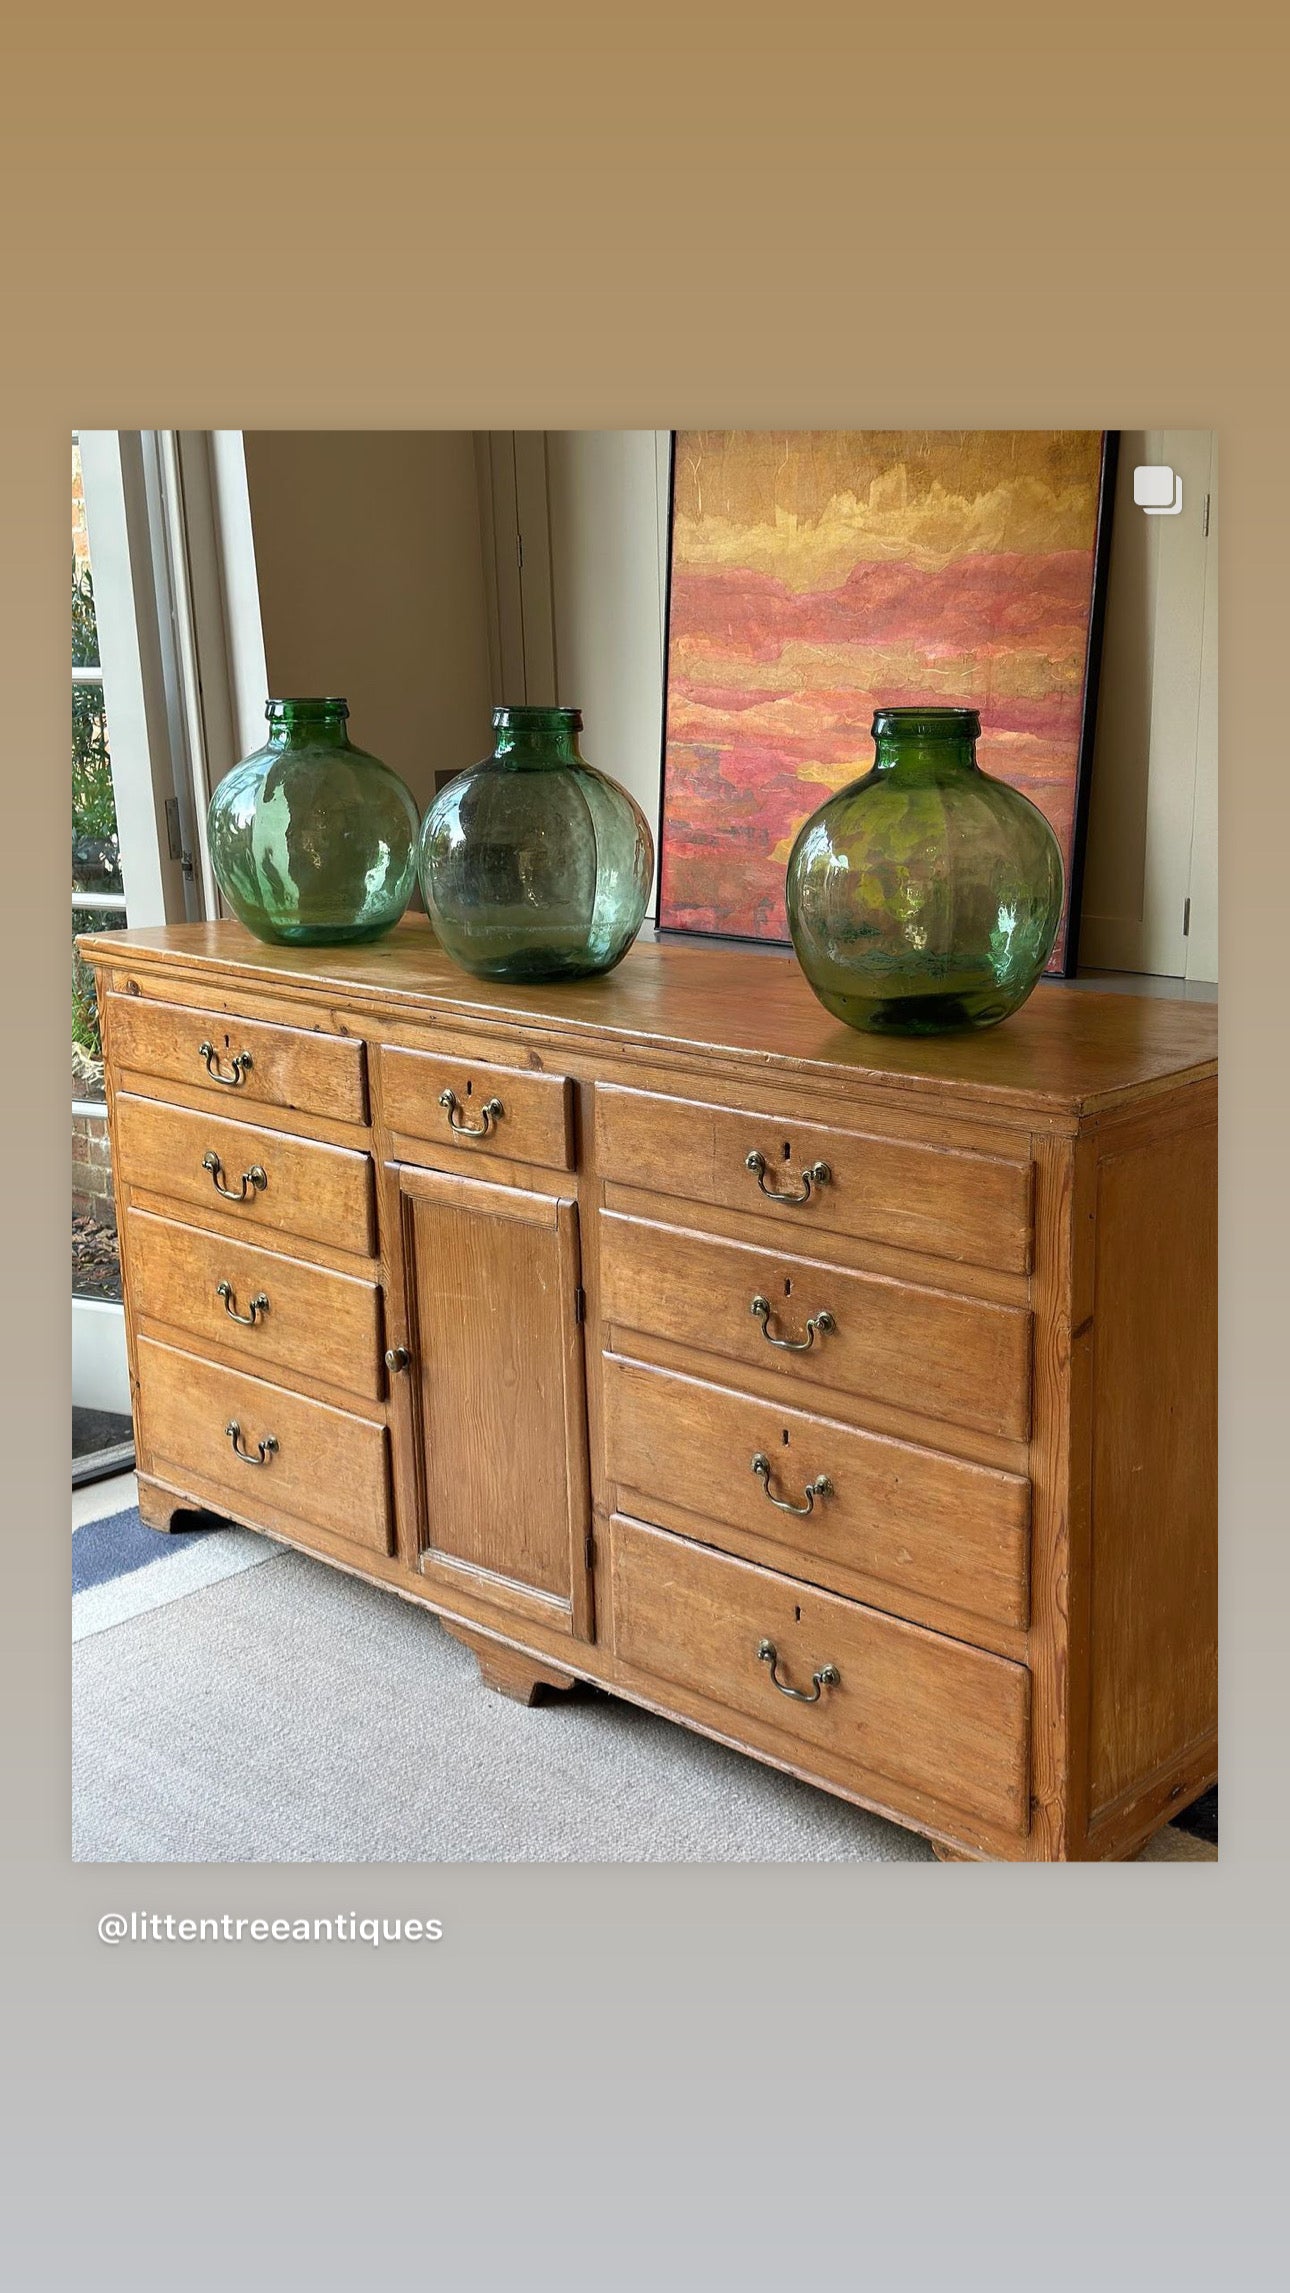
(308, 216)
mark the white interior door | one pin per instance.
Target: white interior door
(1150, 883)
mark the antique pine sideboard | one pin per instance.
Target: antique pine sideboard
(851, 1400)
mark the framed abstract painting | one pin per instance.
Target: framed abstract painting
(817, 575)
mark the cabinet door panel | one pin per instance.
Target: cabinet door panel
(493, 1313)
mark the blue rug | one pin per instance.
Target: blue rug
(121, 1544)
(120, 1569)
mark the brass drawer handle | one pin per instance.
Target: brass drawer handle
(828, 1676)
(396, 1358)
(242, 1062)
(818, 1325)
(491, 1112)
(259, 1305)
(818, 1174)
(253, 1178)
(821, 1486)
(267, 1447)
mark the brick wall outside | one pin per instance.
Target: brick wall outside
(92, 1171)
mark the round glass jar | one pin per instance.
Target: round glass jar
(313, 841)
(533, 864)
(927, 895)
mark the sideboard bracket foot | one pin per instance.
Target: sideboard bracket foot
(524, 1678)
(160, 1510)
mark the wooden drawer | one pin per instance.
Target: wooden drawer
(919, 1522)
(323, 1193)
(501, 1111)
(250, 1059)
(328, 1470)
(305, 1319)
(963, 1360)
(973, 1207)
(909, 1708)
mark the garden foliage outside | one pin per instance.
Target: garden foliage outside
(96, 859)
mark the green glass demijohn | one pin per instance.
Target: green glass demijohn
(313, 841)
(533, 864)
(927, 895)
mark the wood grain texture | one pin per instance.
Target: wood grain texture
(317, 1323)
(291, 1067)
(961, 1359)
(909, 1706)
(957, 1206)
(535, 1125)
(957, 1378)
(313, 1190)
(493, 1286)
(859, 1253)
(1065, 1051)
(1057, 1654)
(1155, 1464)
(916, 1521)
(329, 1467)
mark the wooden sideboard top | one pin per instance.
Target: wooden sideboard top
(1069, 1050)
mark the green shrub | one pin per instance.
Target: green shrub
(96, 858)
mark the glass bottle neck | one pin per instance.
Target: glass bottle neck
(308, 724)
(924, 757)
(537, 748)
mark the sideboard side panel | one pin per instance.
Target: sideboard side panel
(1153, 1593)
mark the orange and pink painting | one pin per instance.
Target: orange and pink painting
(818, 575)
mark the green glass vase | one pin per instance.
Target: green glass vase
(927, 895)
(313, 841)
(533, 864)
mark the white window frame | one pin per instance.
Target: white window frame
(181, 655)
(135, 614)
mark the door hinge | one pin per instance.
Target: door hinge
(580, 1304)
(590, 1550)
(1205, 527)
(519, 552)
(1186, 919)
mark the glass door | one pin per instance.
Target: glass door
(102, 1437)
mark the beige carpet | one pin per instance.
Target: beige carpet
(287, 1713)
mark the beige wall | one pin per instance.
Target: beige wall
(607, 498)
(1152, 855)
(367, 550)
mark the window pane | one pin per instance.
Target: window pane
(85, 636)
(96, 1263)
(96, 867)
(96, 855)
(87, 1047)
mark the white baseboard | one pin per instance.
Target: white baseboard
(100, 1376)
